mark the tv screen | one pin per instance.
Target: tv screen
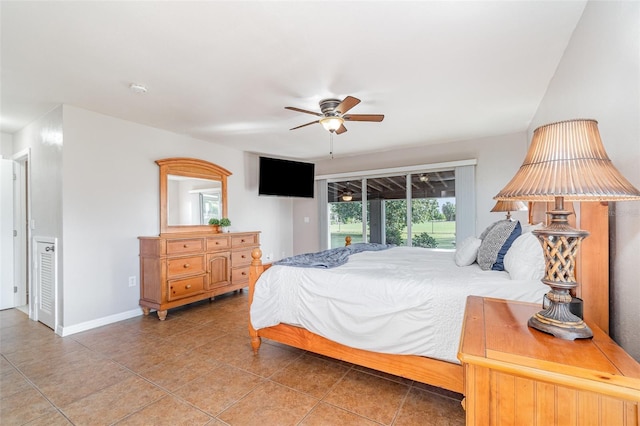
(286, 178)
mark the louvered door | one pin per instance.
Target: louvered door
(45, 279)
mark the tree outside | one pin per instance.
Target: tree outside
(449, 211)
(432, 226)
(346, 212)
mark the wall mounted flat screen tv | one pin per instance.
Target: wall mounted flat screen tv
(286, 178)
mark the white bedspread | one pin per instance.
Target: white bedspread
(404, 300)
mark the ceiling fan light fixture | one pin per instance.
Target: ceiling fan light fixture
(333, 115)
(331, 124)
(347, 196)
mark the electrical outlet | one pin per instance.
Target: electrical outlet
(132, 281)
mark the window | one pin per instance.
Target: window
(209, 207)
(418, 208)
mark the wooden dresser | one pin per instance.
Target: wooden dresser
(177, 269)
(515, 375)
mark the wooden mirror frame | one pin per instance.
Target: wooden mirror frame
(194, 168)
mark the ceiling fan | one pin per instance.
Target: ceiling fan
(334, 114)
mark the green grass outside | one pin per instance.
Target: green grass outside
(443, 232)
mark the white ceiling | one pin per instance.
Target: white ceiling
(223, 71)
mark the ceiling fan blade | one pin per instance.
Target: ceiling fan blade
(304, 110)
(364, 117)
(341, 129)
(308, 124)
(348, 103)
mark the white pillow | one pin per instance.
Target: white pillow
(525, 259)
(467, 251)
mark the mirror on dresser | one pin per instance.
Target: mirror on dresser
(192, 191)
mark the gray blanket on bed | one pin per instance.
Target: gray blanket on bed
(330, 258)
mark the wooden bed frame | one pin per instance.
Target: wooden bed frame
(593, 275)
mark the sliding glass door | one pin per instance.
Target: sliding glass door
(433, 207)
(416, 209)
(345, 212)
(388, 209)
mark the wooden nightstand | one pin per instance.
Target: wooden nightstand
(515, 375)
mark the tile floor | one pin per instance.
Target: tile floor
(195, 368)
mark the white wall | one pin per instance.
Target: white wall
(306, 233)
(6, 145)
(44, 139)
(599, 78)
(274, 213)
(101, 191)
(498, 159)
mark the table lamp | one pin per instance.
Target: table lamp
(509, 206)
(566, 161)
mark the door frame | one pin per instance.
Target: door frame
(23, 257)
(7, 234)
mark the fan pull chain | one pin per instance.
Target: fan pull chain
(331, 144)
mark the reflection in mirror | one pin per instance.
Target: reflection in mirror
(210, 206)
(192, 201)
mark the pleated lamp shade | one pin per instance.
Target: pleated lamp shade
(567, 159)
(509, 206)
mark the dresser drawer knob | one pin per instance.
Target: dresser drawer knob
(186, 265)
(244, 273)
(188, 286)
(217, 243)
(242, 241)
(243, 256)
(186, 246)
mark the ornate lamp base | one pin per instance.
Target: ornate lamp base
(560, 243)
(558, 320)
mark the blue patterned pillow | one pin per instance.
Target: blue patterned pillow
(496, 244)
(487, 230)
(499, 264)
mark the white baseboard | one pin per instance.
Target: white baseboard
(73, 329)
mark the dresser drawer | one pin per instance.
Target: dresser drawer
(185, 246)
(218, 243)
(186, 287)
(244, 240)
(241, 257)
(239, 275)
(181, 266)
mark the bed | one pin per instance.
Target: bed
(415, 330)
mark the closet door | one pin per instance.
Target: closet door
(45, 279)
